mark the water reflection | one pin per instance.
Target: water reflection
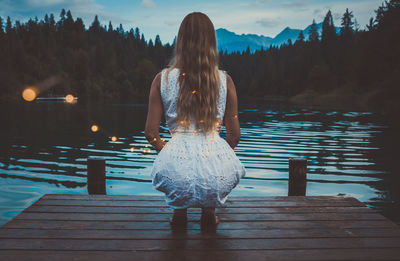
(44, 148)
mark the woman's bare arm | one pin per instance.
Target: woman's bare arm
(231, 118)
(154, 114)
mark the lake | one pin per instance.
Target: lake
(44, 147)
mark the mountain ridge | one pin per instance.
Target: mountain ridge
(231, 42)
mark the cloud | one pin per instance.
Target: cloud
(317, 11)
(171, 23)
(86, 9)
(268, 22)
(258, 3)
(28, 8)
(337, 16)
(295, 4)
(42, 3)
(319, 14)
(148, 4)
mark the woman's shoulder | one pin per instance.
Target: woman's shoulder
(230, 86)
(227, 77)
(169, 69)
(166, 72)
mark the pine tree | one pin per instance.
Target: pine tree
(121, 29)
(69, 21)
(52, 20)
(380, 13)
(157, 42)
(328, 29)
(347, 24)
(388, 13)
(79, 26)
(137, 33)
(371, 25)
(60, 23)
(314, 36)
(300, 38)
(1, 27)
(174, 41)
(9, 28)
(95, 27)
(356, 25)
(62, 14)
(247, 53)
(110, 27)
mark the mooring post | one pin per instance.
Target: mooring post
(297, 177)
(96, 176)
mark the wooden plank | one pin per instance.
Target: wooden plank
(198, 244)
(161, 198)
(196, 255)
(254, 255)
(143, 210)
(54, 224)
(231, 204)
(194, 234)
(196, 217)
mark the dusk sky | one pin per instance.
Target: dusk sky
(263, 17)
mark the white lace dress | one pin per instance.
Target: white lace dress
(193, 169)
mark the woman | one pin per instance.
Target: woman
(196, 168)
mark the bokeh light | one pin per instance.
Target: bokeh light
(29, 94)
(69, 98)
(113, 138)
(94, 128)
(132, 149)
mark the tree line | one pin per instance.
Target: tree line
(362, 64)
(98, 63)
(111, 64)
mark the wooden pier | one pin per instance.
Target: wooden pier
(107, 227)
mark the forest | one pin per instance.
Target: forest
(103, 63)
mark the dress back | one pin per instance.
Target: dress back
(169, 94)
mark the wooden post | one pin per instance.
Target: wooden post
(96, 176)
(297, 177)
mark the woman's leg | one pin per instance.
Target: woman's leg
(179, 217)
(208, 216)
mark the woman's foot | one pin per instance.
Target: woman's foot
(208, 217)
(179, 218)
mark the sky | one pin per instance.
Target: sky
(163, 17)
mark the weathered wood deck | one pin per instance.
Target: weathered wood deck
(104, 227)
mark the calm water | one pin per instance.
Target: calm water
(44, 147)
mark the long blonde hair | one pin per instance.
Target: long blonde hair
(196, 56)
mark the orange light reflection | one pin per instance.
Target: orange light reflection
(29, 94)
(94, 128)
(69, 98)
